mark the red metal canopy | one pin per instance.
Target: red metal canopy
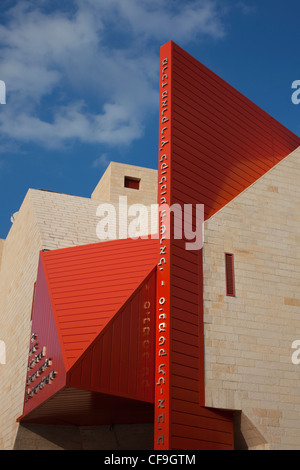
(93, 330)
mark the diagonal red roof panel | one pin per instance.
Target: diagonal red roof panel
(89, 284)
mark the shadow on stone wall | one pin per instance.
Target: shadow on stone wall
(246, 434)
(114, 437)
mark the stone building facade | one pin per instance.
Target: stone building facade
(47, 221)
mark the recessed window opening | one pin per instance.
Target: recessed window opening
(132, 183)
(33, 300)
(229, 273)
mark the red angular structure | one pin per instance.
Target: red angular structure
(121, 323)
(213, 144)
(93, 320)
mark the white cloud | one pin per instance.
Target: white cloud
(84, 74)
(162, 20)
(246, 8)
(112, 127)
(101, 162)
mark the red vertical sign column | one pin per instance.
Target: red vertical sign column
(162, 349)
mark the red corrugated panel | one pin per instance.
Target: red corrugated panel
(94, 311)
(221, 141)
(215, 143)
(79, 407)
(120, 361)
(89, 284)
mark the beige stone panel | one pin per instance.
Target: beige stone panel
(248, 337)
(102, 190)
(66, 220)
(17, 277)
(46, 220)
(111, 185)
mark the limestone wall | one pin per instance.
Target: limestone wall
(248, 337)
(46, 220)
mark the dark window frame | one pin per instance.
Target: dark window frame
(131, 182)
(229, 274)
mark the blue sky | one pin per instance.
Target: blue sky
(82, 80)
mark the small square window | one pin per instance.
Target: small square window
(132, 183)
